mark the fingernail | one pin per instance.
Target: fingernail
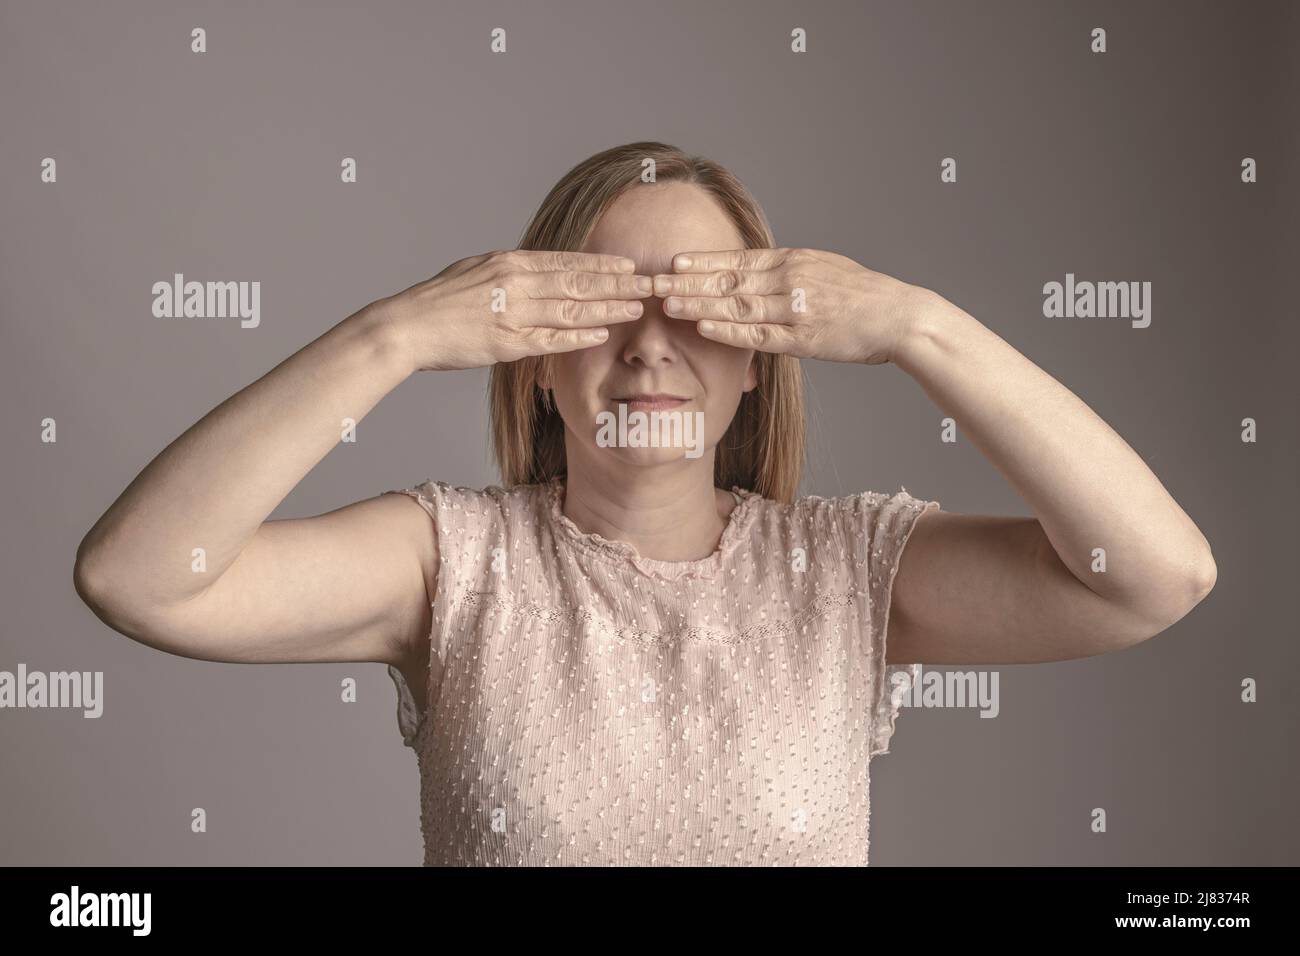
(682, 262)
(706, 326)
(634, 308)
(662, 284)
(643, 284)
(672, 304)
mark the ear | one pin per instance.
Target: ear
(751, 373)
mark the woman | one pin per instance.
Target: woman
(638, 653)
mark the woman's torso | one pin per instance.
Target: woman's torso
(587, 706)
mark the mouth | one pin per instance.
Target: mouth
(650, 403)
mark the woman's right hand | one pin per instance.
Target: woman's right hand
(545, 302)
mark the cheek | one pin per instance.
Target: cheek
(576, 376)
(726, 368)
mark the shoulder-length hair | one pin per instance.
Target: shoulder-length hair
(763, 448)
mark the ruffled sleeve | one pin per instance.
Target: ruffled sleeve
(408, 714)
(886, 523)
(459, 520)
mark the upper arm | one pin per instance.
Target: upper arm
(981, 589)
(348, 585)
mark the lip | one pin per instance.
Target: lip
(656, 402)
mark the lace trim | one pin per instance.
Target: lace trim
(409, 719)
(623, 552)
(752, 632)
(895, 681)
(899, 679)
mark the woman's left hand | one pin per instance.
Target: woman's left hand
(803, 302)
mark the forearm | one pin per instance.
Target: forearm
(218, 482)
(1086, 486)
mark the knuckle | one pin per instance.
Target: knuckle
(584, 284)
(569, 311)
(727, 281)
(524, 342)
(569, 284)
(500, 333)
(504, 343)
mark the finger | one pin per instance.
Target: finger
(764, 338)
(584, 285)
(743, 309)
(542, 341)
(723, 282)
(557, 261)
(729, 259)
(573, 314)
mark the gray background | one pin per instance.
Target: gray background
(225, 165)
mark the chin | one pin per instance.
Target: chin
(651, 457)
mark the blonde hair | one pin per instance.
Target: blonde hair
(763, 447)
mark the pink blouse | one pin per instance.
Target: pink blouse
(589, 706)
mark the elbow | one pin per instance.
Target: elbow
(1204, 579)
(88, 580)
(1200, 578)
(102, 592)
(105, 599)
(1192, 588)
(1190, 585)
(117, 599)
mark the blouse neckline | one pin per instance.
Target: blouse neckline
(624, 552)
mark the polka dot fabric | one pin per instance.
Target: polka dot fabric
(589, 706)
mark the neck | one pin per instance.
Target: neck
(668, 513)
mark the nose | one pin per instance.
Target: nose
(652, 340)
